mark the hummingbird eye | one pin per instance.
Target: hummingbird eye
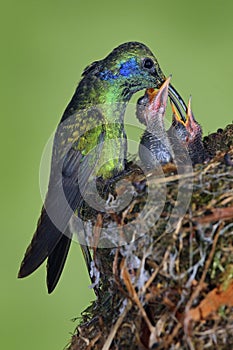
(148, 63)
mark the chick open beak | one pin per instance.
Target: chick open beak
(190, 123)
(176, 116)
(158, 98)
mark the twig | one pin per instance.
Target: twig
(116, 326)
(199, 287)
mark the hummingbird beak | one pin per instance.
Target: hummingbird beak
(175, 115)
(158, 100)
(191, 125)
(177, 101)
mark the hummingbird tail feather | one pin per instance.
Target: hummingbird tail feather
(56, 262)
(43, 243)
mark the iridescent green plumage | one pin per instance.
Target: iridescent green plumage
(90, 142)
(106, 87)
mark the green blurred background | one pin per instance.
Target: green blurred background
(45, 45)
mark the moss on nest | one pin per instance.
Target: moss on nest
(172, 287)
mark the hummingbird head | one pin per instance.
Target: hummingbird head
(188, 131)
(152, 105)
(129, 68)
(132, 67)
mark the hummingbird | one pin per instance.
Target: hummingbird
(182, 139)
(188, 133)
(154, 147)
(90, 143)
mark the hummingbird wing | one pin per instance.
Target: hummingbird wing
(52, 237)
(74, 177)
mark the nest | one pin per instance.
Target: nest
(171, 285)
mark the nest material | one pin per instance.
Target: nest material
(169, 288)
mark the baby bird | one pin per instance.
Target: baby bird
(186, 134)
(182, 141)
(154, 147)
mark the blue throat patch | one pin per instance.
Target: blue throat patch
(107, 75)
(127, 69)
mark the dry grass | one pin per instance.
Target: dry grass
(168, 289)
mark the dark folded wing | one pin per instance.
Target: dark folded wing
(62, 198)
(52, 238)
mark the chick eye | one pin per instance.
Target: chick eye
(148, 63)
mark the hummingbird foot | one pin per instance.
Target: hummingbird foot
(107, 188)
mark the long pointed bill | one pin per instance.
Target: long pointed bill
(178, 101)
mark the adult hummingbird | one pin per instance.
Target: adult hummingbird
(90, 143)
